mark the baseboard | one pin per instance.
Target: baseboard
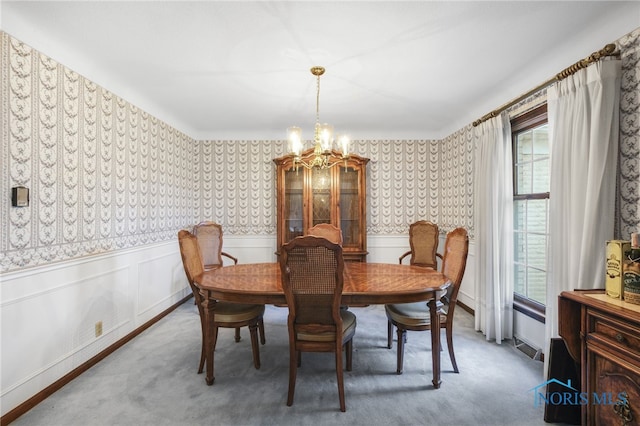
(67, 378)
(465, 307)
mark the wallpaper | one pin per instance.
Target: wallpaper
(628, 195)
(102, 174)
(105, 175)
(402, 184)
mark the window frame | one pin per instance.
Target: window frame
(527, 121)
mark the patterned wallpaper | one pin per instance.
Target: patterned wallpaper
(104, 175)
(402, 184)
(628, 196)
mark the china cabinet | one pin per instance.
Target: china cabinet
(335, 195)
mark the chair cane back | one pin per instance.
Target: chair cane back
(423, 239)
(328, 231)
(209, 235)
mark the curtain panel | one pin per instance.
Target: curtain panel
(493, 211)
(583, 112)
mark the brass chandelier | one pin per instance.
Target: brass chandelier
(323, 155)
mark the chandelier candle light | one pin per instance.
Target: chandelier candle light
(324, 157)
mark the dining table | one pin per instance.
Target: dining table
(364, 284)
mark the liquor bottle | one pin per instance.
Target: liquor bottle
(631, 271)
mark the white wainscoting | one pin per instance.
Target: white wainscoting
(48, 314)
(387, 249)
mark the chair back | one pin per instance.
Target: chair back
(423, 239)
(191, 260)
(454, 261)
(209, 236)
(312, 280)
(328, 231)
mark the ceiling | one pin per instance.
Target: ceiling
(394, 70)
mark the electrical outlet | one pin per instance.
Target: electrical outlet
(99, 329)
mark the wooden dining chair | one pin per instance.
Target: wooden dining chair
(312, 279)
(209, 235)
(416, 317)
(328, 231)
(226, 314)
(423, 240)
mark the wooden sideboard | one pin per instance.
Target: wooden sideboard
(602, 335)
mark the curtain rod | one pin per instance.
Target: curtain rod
(608, 50)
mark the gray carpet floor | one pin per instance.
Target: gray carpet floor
(153, 380)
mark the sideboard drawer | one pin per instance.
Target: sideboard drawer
(614, 332)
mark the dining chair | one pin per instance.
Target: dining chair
(312, 279)
(416, 317)
(328, 231)
(226, 314)
(209, 235)
(423, 240)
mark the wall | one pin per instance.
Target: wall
(109, 188)
(111, 185)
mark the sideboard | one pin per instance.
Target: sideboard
(602, 335)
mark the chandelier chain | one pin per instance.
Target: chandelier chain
(318, 99)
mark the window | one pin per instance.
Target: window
(531, 210)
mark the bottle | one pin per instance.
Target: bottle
(631, 271)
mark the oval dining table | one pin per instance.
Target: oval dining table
(364, 284)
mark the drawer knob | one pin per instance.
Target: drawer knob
(619, 338)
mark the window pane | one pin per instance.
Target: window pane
(520, 247)
(537, 251)
(519, 214)
(536, 216)
(540, 176)
(523, 147)
(540, 142)
(523, 178)
(537, 282)
(519, 284)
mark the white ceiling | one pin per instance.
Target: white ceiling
(395, 70)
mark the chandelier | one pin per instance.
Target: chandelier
(323, 154)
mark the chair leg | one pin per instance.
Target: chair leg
(237, 334)
(215, 337)
(263, 340)
(294, 357)
(450, 347)
(401, 340)
(389, 334)
(340, 376)
(253, 329)
(299, 358)
(203, 350)
(348, 348)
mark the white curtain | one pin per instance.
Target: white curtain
(583, 129)
(493, 227)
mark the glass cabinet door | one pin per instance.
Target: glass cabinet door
(320, 196)
(293, 204)
(349, 206)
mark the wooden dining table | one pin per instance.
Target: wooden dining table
(364, 284)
